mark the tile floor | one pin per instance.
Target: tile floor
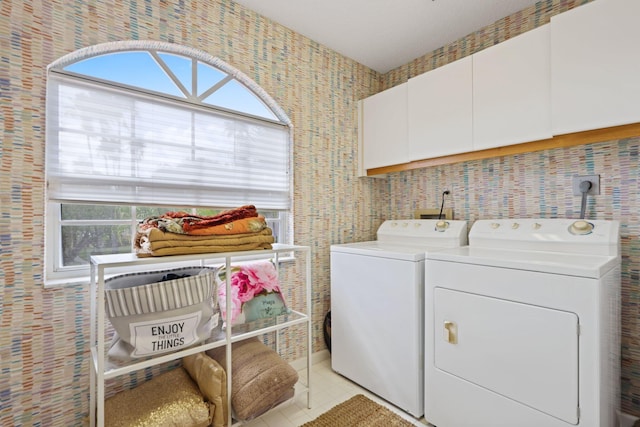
(328, 389)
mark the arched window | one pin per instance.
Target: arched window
(138, 128)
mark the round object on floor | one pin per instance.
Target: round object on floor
(326, 329)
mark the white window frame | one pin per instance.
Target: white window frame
(54, 273)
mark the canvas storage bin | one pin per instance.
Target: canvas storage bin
(153, 316)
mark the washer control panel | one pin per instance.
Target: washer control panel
(577, 227)
(560, 235)
(427, 232)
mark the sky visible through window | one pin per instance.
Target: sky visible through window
(140, 69)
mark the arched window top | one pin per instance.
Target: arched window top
(173, 71)
(163, 122)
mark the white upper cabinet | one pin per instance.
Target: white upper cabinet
(512, 91)
(384, 128)
(578, 73)
(595, 66)
(440, 108)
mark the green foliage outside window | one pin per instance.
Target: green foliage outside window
(103, 229)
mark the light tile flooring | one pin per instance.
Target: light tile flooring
(328, 389)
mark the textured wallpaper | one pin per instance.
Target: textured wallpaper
(44, 338)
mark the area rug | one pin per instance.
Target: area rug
(359, 411)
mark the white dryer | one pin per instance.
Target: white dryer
(522, 326)
(377, 307)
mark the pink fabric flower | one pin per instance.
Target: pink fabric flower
(236, 304)
(246, 285)
(265, 275)
(247, 281)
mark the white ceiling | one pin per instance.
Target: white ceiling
(385, 34)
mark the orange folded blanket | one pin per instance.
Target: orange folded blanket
(240, 226)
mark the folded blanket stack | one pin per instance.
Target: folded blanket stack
(179, 233)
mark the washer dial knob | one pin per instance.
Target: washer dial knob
(441, 226)
(581, 227)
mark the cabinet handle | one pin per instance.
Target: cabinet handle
(450, 332)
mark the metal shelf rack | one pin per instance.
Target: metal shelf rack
(102, 368)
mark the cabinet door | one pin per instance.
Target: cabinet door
(384, 133)
(512, 91)
(440, 111)
(595, 66)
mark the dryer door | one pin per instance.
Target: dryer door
(523, 352)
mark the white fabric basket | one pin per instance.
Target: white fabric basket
(151, 316)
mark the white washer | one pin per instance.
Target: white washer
(522, 326)
(377, 303)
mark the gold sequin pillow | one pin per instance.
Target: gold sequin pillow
(170, 399)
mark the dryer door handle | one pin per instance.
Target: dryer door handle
(450, 332)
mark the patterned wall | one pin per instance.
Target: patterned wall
(44, 332)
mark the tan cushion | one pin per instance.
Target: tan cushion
(170, 399)
(212, 381)
(261, 379)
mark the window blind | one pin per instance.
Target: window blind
(109, 145)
